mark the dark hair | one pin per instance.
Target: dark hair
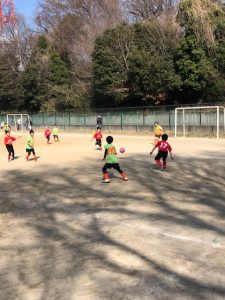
(164, 137)
(109, 139)
(156, 123)
(55, 125)
(31, 131)
(98, 128)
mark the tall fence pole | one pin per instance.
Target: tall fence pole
(175, 123)
(218, 122)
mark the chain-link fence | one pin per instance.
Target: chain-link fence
(138, 119)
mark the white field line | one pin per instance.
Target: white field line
(175, 236)
(158, 232)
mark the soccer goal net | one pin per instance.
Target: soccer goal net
(200, 121)
(19, 121)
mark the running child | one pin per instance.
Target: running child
(98, 138)
(158, 131)
(8, 141)
(30, 146)
(111, 161)
(48, 134)
(55, 133)
(163, 149)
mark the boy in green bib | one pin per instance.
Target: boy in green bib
(111, 161)
(30, 146)
(55, 133)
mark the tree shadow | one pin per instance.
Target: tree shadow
(64, 236)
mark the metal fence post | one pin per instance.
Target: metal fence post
(121, 121)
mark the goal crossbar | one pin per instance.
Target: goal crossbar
(194, 108)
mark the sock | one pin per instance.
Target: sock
(164, 164)
(158, 162)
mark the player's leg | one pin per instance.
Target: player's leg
(12, 152)
(165, 154)
(158, 157)
(106, 178)
(34, 154)
(118, 169)
(156, 139)
(9, 152)
(28, 154)
(99, 143)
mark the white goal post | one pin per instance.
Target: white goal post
(192, 116)
(19, 121)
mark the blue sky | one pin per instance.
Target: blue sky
(26, 8)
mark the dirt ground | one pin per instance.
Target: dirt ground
(65, 236)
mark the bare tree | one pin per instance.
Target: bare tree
(145, 9)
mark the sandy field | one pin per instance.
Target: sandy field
(66, 236)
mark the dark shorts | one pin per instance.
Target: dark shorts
(115, 166)
(98, 142)
(55, 136)
(10, 149)
(158, 136)
(161, 154)
(29, 151)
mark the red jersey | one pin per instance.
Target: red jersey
(164, 146)
(8, 140)
(47, 132)
(97, 135)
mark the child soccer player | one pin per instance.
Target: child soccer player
(48, 134)
(56, 133)
(30, 146)
(98, 138)
(111, 161)
(158, 132)
(163, 148)
(8, 141)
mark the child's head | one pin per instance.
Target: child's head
(7, 132)
(156, 123)
(55, 125)
(98, 129)
(109, 139)
(31, 132)
(164, 137)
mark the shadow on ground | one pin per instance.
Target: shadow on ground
(65, 236)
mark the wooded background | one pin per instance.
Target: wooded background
(85, 54)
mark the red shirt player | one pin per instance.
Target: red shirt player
(98, 138)
(163, 149)
(8, 141)
(48, 134)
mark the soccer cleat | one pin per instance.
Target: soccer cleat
(106, 178)
(124, 175)
(163, 168)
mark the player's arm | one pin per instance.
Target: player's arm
(171, 155)
(153, 149)
(30, 143)
(93, 137)
(106, 151)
